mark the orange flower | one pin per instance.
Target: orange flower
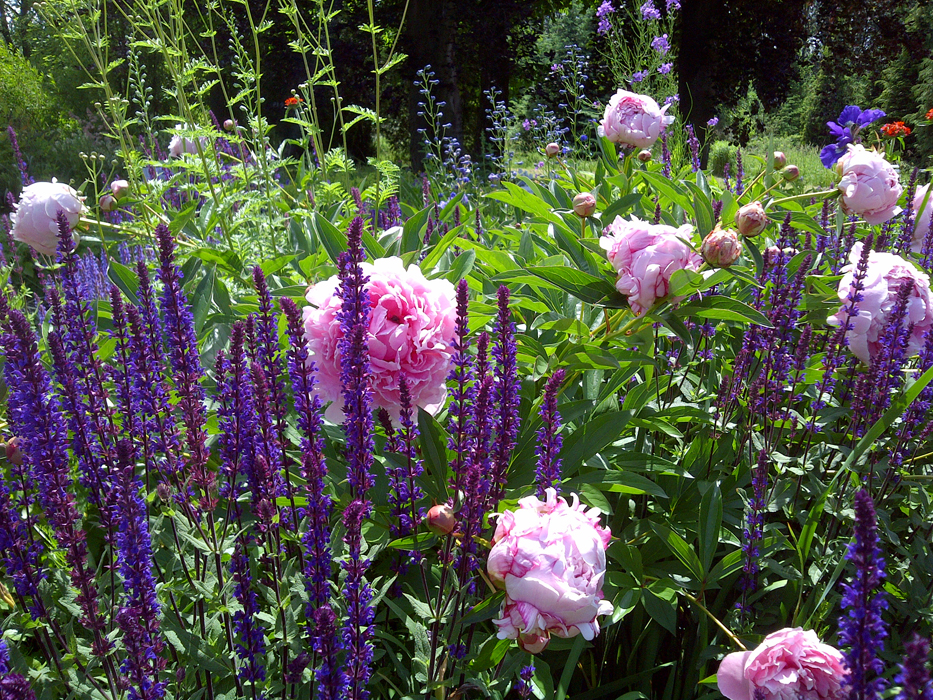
(930, 116)
(895, 129)
(293, 101)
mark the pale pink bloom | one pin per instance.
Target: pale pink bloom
(869, 185)
(550, 558)
(179, 145)
(751, 219)
(721, 247)
(921, 221)
(885, 275)
(411, 331)
(790, 664)
(35, 220)
(633, 119)
(645, 256)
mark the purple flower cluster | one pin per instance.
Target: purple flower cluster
(649, 11)
(661, 44)
(603, 13)
(851, 121)
(505, 351)
(861, 630)
(549, 439)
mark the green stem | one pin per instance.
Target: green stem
(716, 621)
(805, 195)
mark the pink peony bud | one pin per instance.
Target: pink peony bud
(551, 150)
(120, 188)
(644, 155)
(229, 125)
(721, 248)
(751, 219)
(107, 202)
(584, 205)
(441, 519)
(780, 160)
(790, 173)
(13, 452)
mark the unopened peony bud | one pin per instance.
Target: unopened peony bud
(780, 160)
(644, 155)
(107, 202)
(229, 125)
(584, 204)
(721, 248)
(751, 219)
(552, 149)
(790, 173)
(771, 254)
(120, 188)
(13, 452)
(441, 520)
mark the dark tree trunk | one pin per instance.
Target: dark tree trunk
(697, 87)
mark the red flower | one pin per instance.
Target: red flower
(930, 116)
(293, 101)
(895, 129)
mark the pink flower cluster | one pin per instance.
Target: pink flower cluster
(885, 275)
(550, 557)
(790, 664)
(869, 185)
(35, 217)
(645, 256)
(633, 119)
(411, 329)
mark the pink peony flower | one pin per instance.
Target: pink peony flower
(721, 247)
(632, 119)
(35, 218)
(886, 273)
(550, 558)
(869, 185)
(645, 256)
(411, 329)
(751, 219)
(922, 220)
(179, 145)
(790, 664)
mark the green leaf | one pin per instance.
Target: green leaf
(702, 209)
(680, 549)
(675, 194)
(723, 308)
(520, 198)
(411, 231)
(663, 611)
(415, 543)
(583, 286)
(709, 525)
(486, 610)
(462, 266)
(332, 238)
(126, 279)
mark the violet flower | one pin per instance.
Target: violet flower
(358, 428)
(139, 615)
(13, 686)
(914, 677)
(861, 630)
(507, 401)
(404, 492)
(753, 532)
(460, 426)
(24, 176)
(547, 470)
(186, 366)
(251, 647)
(851, 121)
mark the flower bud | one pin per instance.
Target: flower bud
(120, 188)
(107, 202)
(771, 254)
(721, 248)
(791, 173)
(441, 520)
(644, 155)
(13, 452)
(229, 125)
(780, 160)
(584, 204)
(751, 219)
(552, 149)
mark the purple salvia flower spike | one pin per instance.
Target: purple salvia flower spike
(404, 492)
(251, 647)
(358, 428)
(861, 630)
(506, 399)
(754, 529)
(460, 411)
(186, 367)
(331, 679)
(914, 677)
(24, 175)
(139, 615)
(549, 439)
